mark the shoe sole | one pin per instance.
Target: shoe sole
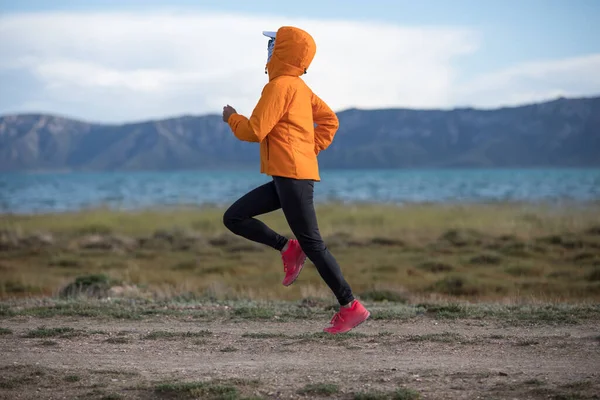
(298, 274)
(354, 326)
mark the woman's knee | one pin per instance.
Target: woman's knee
(230, 220)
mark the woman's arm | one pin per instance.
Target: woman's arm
(270, 109)
(327, 124)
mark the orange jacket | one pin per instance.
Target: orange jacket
(283, 121)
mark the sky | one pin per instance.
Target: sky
(121, 61)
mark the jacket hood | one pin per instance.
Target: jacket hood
(293, 52)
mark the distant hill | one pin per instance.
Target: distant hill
(559, 133)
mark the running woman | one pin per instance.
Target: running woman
(283, 122)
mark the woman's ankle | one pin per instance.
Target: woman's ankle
(349, 304)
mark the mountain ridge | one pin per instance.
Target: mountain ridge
(564, 132)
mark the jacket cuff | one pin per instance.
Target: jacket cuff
(229, 120)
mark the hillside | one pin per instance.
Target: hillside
(559, 133)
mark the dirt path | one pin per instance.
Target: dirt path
(438, 359)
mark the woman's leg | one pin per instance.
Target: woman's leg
(296, 199)
(239, 218)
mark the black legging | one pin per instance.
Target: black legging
(295, 198)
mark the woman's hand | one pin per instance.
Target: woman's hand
(228, 111)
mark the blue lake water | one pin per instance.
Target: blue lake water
(58, 192)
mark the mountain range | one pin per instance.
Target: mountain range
(558, 133)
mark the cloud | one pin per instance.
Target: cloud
(120, 66)
(533, 81)
(125, 66)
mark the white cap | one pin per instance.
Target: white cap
(270, 34)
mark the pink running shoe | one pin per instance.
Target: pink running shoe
(348, 318)
(293, 261)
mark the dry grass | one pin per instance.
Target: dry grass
(482, 252)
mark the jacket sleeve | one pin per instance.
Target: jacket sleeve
(271, 107)
(327, 124)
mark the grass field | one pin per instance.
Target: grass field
(494, 252)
